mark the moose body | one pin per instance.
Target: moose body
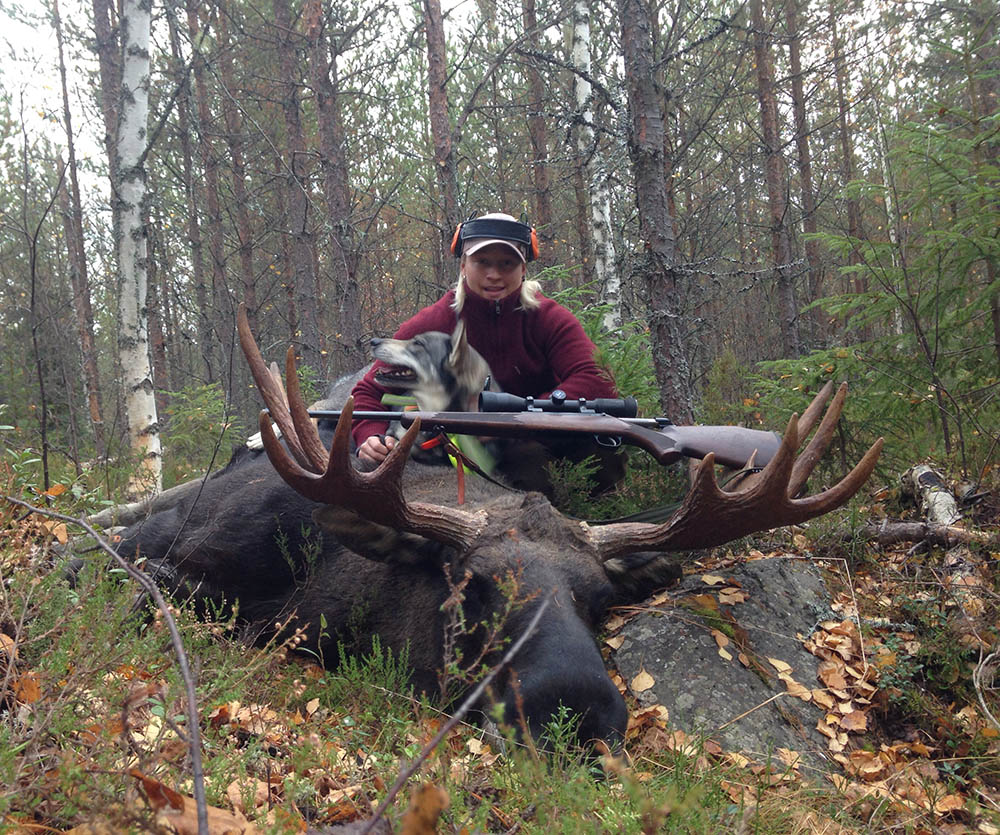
(250, 537)
(313, 543)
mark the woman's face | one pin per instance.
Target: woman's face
(493, 272)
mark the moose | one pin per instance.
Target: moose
(306, 541)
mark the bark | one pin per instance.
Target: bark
(129, 210)
(808, 195)
(944, 536)
(188, 177)
(538, 132)
(600, 240)
(846, 146)
(659, 258)
(79, 277)
(235, 143)
(211, 347)
(350, 352)
(109, 62)
(936, 501)
(445, 169)
(777, 183)
(302, 239)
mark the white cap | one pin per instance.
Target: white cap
(471, 245)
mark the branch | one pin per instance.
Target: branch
(457, 717)
(147, 584)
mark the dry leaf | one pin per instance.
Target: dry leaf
(615, 642)
(8, 646)
(823, 699)
(427, 802)
(721, 639)
(712, 579)
(795, 689)
(725, 654)
(856, 721)
(779, 665)
(642, 682)
(730, 597)
(27, 688)
(55, 490)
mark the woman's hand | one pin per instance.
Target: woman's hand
(375, 448)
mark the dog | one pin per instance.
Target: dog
(441, 372)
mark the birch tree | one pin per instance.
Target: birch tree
(596, 183)
(128, 177)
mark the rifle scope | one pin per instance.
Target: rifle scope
(494, 401)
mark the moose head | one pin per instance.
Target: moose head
(407, 559)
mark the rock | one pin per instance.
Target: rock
(745, 709)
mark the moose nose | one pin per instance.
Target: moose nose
(375, 342)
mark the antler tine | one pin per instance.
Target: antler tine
(271, 390)
(710, 516)
(305, 429)
(814, 410)
(810, 456)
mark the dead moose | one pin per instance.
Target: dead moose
(383, 554)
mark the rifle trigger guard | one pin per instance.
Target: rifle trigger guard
(609, 441)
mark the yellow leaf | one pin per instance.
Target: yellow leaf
(55, 490)
(725, 654)
(779, 665)
(712, 579)
(642, 682)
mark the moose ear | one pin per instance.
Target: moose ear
(377, 542)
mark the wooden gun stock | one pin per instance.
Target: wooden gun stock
(733, 445)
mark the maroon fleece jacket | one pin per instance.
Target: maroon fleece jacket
(531, 352)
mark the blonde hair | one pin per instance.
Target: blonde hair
(529, 293)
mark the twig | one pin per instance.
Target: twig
(464, 708)
(143, 579)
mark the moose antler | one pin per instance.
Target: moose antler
(378, 495)
(710, 516)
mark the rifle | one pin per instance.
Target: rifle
(509, 416)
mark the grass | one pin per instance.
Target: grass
(91, 703)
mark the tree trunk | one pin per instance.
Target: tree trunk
(109, 62)
(79, 277)
(846, 147)
(188, 177)
(600, 240)
(211, 347)
(303, 277)
(777, 184)
(658, 260)
(234, 142)
(350, 353)
(811, 246)
(538, 131)
(129, 209)
(437, 98)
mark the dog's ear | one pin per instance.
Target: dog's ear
(459, 347)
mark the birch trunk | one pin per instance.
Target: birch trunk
(602, 243)
(129, 208)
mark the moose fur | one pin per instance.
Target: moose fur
(249, 536)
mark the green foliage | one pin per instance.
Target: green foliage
(199, 428)
(625, 353)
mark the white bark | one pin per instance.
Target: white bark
(597, 181)
(936, 500)
(128, 176)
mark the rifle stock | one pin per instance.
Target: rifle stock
(733, 445)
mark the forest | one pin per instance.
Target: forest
(741, 201)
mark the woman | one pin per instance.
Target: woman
(532, 344)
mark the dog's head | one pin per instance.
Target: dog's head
(441, 371)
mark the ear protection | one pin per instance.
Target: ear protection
(504, 230)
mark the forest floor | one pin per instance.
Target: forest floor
(93, 725)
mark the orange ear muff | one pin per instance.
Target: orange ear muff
(534, 244)
(456, 248)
